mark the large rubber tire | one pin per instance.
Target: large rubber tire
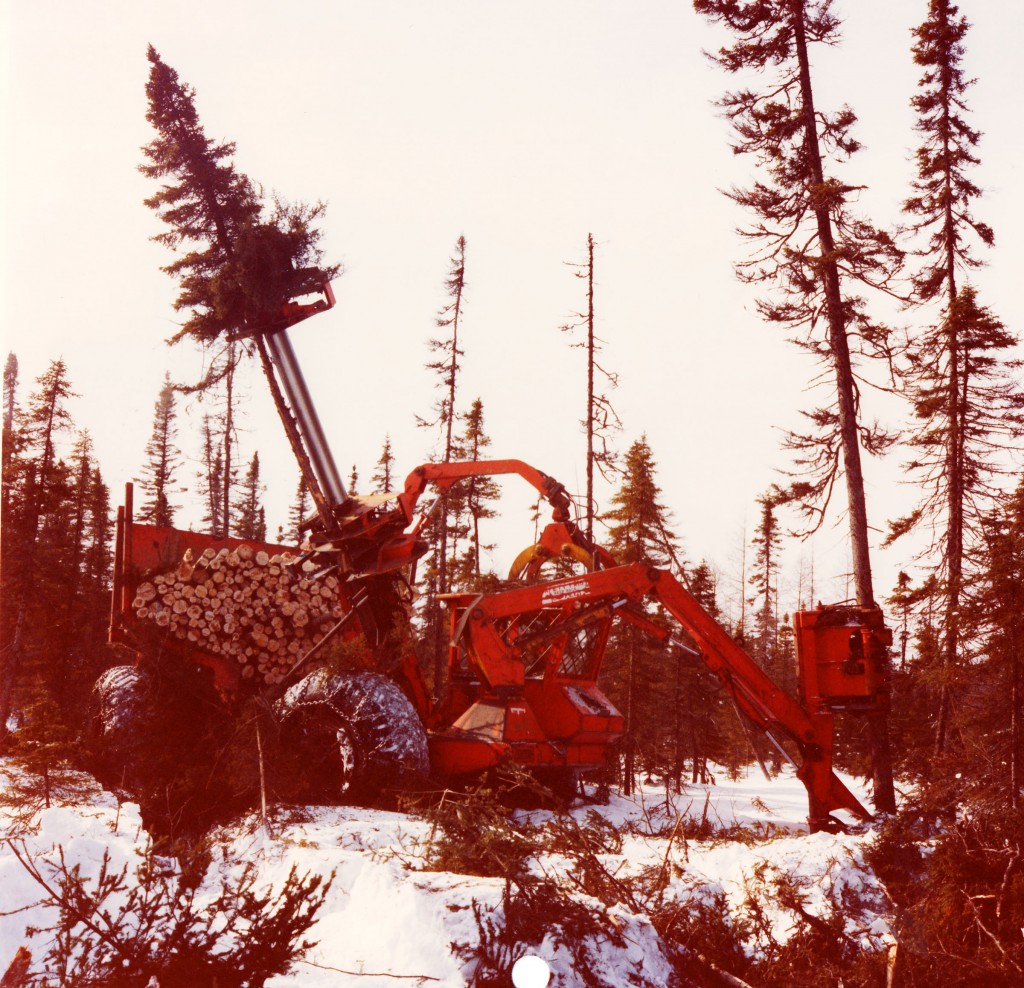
(563, 783)
(121, 709)
(357, 735)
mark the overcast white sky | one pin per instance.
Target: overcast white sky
(522, 126)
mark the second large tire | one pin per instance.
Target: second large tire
(120, 714)
(356, 735)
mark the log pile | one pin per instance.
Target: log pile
(262, 611)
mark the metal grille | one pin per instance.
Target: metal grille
(578, 650)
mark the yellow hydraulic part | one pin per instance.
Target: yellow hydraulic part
(526, 566)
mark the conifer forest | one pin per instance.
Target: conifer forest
(268, 718)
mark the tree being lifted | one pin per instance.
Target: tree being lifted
(239, 261)
(810, 248)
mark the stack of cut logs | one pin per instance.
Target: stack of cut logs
(262, 611)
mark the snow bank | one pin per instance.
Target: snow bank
(82, 834)
(386, 917)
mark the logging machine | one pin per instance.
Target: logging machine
(523, 661)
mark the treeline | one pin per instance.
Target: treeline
(55, 564)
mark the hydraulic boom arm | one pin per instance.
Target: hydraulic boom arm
(617, 591)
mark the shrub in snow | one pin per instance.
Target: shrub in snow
(959, 896)
(124, 926)
(473, 834)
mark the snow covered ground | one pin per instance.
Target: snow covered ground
(386, 916)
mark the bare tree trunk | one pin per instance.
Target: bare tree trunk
(1015, 732)
(229, 426)
(677, 727)
(955, 403)
(878, 724)
(629, 766)
(590, 387)
(442, 588)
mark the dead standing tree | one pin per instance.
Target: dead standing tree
(600, 419)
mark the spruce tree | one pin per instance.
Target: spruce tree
(600, 419)
(239, 258)
(97, 562)
(636, 669)
(764, 580)
(814, 253)
(205, 201)
(476, 496)
(997, 730)
(211, 480)
(82, 471)
(250, 520)
(298, 512)
(966, 408)
(36, 544)
(707, 722)
(383, 478)
(446, 347)
(162, 461)
(10, 399)
(637, 522)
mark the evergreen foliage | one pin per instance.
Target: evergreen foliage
(764, 581)
(250, 516)
(238, 260)
(993, 725)
(298, 512)
(53, 567)
(162, 461)
(471, 502)
(943, 192)
(211, 480)
(958, 896)
(967, 408)
(814, 255)
(160, 926)
(707, 730)
(637, 522)
(638, 673)
(383, 478)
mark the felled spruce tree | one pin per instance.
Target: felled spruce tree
(238, 258)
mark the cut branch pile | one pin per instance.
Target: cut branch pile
(264, 612)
